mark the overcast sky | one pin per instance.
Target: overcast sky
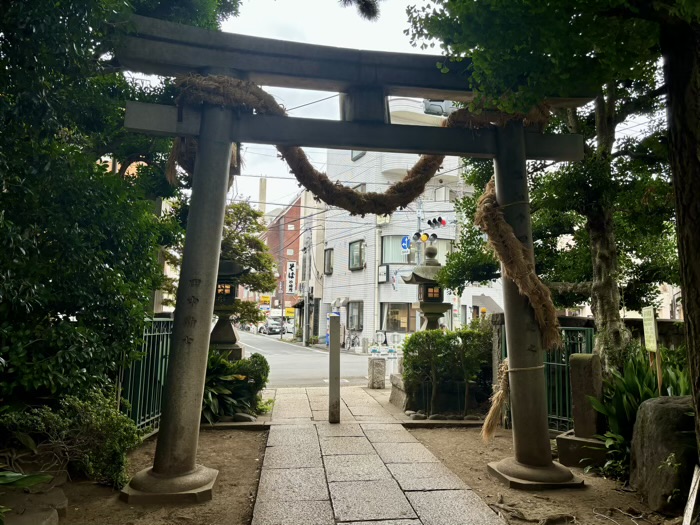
(322, 22)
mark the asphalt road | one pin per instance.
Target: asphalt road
(292, 365)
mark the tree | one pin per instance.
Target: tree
(522, 52)
(242, 243)
(80, 245)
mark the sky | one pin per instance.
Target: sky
(323, 22)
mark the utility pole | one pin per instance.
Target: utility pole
(307, 286)
(283, 276)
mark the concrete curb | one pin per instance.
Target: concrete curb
(265, 425)
(440, 423)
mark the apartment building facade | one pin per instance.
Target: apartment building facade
(364, 258)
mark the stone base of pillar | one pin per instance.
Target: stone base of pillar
(146, 487)
(524, 477)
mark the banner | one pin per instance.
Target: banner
(291, 277)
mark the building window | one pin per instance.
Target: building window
(356, 255)
(328, 261)
(354, 155)
(398, 317)
(290, 251)
(290, 226)
(355, 315)
(393, 252)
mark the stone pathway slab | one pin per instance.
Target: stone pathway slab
(385, 522)
(345, 445)
(293, 457)
(293, 513)
(404, 453)
(304, 484)
(355, 468)
(339, 430)
(390, 436)
(369, 500)
(452, 507)
(425, 476)
(292, 435)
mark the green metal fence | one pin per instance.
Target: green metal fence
(557, 377)
(143, 381)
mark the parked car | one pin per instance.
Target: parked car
(289, 327)
(270, 328)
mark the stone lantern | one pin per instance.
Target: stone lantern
(430, 293)
(224, 336)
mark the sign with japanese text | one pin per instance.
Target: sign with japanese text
(291, 276)
(649, 322)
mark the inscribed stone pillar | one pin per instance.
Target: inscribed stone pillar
(175, 476)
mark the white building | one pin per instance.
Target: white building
(363, 257)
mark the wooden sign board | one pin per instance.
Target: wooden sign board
(690, 516)
(649, 321)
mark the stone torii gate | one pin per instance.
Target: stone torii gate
(364, 79)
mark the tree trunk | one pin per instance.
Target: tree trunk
(681, 49)
(612, 335)
(605, 295)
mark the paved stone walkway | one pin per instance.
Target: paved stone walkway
(367, 470)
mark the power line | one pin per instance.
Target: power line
(314, 102)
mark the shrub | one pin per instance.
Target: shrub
(232, 386)
(441, 358)
(88, 436)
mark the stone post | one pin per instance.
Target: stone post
(175, 476)
(376, 372)
(532, 467)
(334, 371)
(586, 381)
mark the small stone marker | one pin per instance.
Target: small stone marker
(376, 372)
(586, 381)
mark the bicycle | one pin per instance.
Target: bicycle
(352, 340)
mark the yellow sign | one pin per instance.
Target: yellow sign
(289, 312)
(265, 300)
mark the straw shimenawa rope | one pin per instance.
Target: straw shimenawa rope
(517, 265)
(248, 97)
(499, 403)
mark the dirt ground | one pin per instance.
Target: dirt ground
(237, 454)
(601, 501)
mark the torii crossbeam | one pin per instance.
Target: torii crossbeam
(364, 79)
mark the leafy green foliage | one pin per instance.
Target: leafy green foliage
(623, 392)
(89, 436)
(242, 243)
(439, 358)
(233, 386)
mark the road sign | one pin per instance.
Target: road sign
(406, 242)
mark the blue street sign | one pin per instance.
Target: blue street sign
(406, 242)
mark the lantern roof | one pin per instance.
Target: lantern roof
(229, 268)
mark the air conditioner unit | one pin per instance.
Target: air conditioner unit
(442, 108)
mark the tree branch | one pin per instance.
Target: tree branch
(579, 288)
(639, 104)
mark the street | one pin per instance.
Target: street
(292, 365)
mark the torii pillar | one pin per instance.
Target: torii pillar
(532, 467)
(175, 476)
